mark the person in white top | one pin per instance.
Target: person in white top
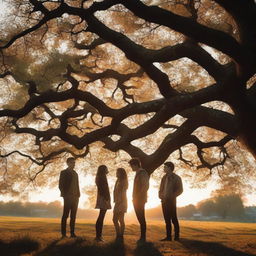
(170, 188)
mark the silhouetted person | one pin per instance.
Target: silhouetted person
(69, 188)
(103, 199)
(140, 188)
(170, 188)
(120, 200)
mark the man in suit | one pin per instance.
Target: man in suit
(170, 188)
(69, 188)
(140, 188)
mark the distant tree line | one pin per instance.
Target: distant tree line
(218, 207)
(38, 209)
(221, 206)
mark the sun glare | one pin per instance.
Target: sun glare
(189, 196)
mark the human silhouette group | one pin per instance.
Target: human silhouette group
(170, 188)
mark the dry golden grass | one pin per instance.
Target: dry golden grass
(41, 237)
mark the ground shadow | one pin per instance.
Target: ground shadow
(18, 246)
(147, 249)
(81, 247)
(211, 248)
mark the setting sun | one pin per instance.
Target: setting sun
(189, 196)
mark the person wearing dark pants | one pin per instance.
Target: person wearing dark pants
(70, 206)
(103, 199)
(120, 200)
(170, 188)
(140, 188)
(139, 208)
(69, 188)
(99, 225)
(170, 217)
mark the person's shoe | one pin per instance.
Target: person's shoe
(177, 238)
(63, 236)
(166, 239)
(99, 239)
(119, 238)
(142, 240)
(73, 235)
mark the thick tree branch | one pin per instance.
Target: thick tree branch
(181, 137)
(187, 26)
(134, 52)
(244, 15)
(201, 145)
(191, 50)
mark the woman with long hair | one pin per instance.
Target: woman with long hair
(103, 199)
(120, 200)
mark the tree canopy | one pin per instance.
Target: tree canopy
(149, 78)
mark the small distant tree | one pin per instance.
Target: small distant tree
(187, 211)
(207, 207)
(229, 205)
(54, 209)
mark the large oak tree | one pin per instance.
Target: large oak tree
(148, 78)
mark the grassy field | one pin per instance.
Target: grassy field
(41, 237)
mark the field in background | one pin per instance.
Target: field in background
(40, 237)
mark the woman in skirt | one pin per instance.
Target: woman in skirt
(103, 199)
